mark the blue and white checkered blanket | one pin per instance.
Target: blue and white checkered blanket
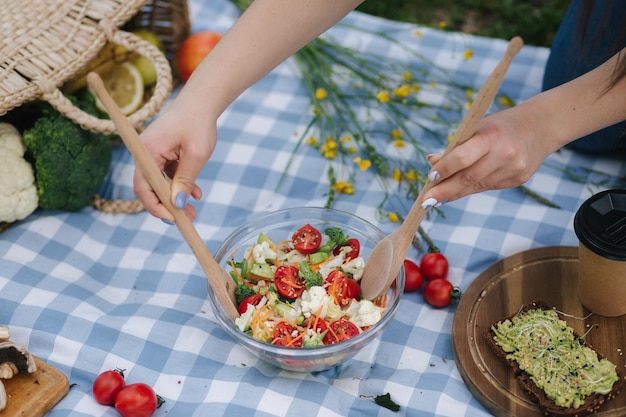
(90, 291)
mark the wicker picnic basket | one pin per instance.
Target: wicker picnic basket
(45, 43)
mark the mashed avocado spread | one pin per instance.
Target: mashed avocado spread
(558, 362)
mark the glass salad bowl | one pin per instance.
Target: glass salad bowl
(279, 226)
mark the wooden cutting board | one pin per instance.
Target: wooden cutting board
(33, 395)
(549, 274)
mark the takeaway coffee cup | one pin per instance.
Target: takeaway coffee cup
(600, 225)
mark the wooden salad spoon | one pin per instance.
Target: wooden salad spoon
(220, 282)
(388, 255)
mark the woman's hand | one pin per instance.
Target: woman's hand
(181, 144)
(504, 152)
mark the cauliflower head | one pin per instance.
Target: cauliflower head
(18, 192)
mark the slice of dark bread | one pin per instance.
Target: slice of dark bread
(547, 405)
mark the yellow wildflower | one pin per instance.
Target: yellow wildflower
(321, 93)
(343, 187)
(415, 87)
(468, 54)
(383, 96)
(397, 175)
(393, 217)
(329, 148)
(396, 134)
(506, 101)
(312, 141)
(345, 138)
(418, 34)
(352, 149)
(398, 143)
(363, 164)
(410, 175)
(443, 24)
(469, 93)
(450, 137)
(403, 91)
(407, 76)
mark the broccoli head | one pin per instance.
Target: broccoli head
(69, 162)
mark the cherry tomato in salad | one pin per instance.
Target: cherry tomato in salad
(340, 330)
(136, 400)
(307, 239)
(251, 299)
(413, 276)
(287, 281)
(355, 248)
(107, 385)
(284, 335)
(342, 288)
(440, 292)
(434, 265)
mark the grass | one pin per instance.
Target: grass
(536, 21)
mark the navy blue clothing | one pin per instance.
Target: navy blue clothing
(570, 59)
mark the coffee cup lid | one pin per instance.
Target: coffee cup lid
(600, 224)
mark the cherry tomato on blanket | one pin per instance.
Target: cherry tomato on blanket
(288, 283)
(355, 248)
(284, 335)
(107, 385)
(440, 292)
(307, 239)
(434, 265)
(414, 277)
(193, 50)
(342, 288)
(340, 330)
(137, 400)
(251, 299)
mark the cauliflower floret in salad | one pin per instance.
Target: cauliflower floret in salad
(364, 313)
(262, 252)
(317, 301)
(354, 267)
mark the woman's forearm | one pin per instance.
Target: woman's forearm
(579, 107)
(267, 33)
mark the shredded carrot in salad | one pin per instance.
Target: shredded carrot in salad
(299, 306)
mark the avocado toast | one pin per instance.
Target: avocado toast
(562, 374)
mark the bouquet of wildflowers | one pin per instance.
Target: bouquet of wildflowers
(376, 116)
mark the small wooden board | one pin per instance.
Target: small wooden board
(33, 395)
(549, 274)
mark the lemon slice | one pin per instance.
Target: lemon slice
(125, 85)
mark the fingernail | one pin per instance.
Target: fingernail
(167, 222)
(433, 176)
(181, 200)
(429, 203)
(443, 202)
(430, 156)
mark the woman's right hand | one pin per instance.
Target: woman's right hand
(181, 143)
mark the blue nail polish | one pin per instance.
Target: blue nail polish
(428, 203)
(433, 176)
(167, 222)
(443, 202)
(181, 200)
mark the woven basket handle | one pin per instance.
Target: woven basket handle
(161, 92)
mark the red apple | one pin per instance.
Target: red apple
(193, 50)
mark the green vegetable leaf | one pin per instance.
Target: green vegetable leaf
(386, 401)
(336, 237)
(311, 279)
